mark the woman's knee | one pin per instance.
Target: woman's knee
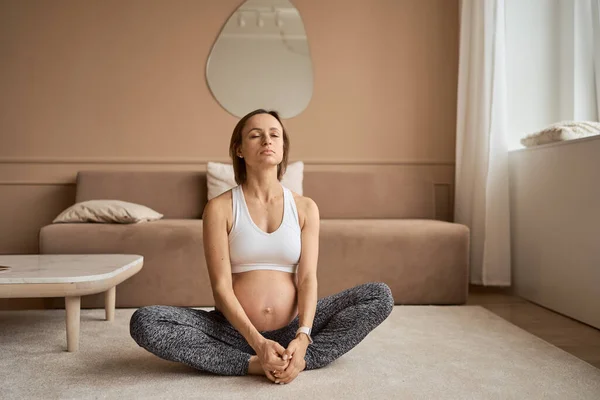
(381, 294)
(142, 320)
(378, 290)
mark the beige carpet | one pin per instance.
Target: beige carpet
(419, 352)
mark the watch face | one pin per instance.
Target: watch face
(305, 329)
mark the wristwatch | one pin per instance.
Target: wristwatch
(306, 330)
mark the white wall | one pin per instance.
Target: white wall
(555, 226)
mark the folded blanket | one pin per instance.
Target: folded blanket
(561, 131)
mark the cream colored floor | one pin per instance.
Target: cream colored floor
(419, 352)
(574, 337)
(581, 340)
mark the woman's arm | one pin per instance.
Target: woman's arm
(307, 291)
(307, 267)
(216, 252)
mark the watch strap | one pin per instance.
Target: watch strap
(307, 331)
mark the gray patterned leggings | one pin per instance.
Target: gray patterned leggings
(207, 341)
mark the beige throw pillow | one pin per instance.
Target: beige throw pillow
(220, 178)
(561, 131)
(107, 211)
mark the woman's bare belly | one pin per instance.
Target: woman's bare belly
(268, 297)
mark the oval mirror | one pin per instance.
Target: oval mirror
(261, 60)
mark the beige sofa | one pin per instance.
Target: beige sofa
(374, 227)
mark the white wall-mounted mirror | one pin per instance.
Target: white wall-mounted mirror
(261, 59)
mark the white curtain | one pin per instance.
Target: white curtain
(481, 200)
(553, 64)
(578, 57)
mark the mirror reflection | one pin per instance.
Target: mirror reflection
(261, 59)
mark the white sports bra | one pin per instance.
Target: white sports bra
(251, 248)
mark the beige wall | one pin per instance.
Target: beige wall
(120, 84)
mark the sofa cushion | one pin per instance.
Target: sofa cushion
(107, 211)
(339, 194)
(175, 194)
(369, 195)
(422, 261)
(174, 271)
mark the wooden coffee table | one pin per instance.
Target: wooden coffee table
(68, 276)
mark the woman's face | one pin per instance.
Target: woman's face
(262, 141)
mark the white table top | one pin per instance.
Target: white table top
(64, 268)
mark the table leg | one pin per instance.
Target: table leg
(73, 307)
(109, 303)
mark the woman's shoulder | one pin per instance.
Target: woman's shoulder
(303, 200)
(219, 205)
(306, 206)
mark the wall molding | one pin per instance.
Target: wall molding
(61, 171)
(203, 160)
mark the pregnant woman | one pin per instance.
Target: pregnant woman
(261, 244)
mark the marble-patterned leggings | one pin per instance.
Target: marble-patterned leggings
(207, 341)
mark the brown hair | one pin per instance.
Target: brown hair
(239, 164)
